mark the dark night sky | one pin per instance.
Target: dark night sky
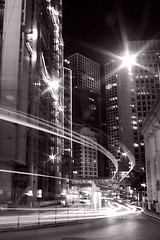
(98, 24)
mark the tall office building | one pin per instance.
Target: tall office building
(86, 96)
(31, 73)
(129, 97)
(86, 90)
(85, 157)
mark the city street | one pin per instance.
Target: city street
(55, 216)
(129, 227)
(79, 120)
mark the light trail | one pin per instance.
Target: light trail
(126, 150)
(34, 123)
(31, 174)
(10, 116)
(70, 214)
(131, 159)
(42, 125)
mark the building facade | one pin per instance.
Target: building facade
(86, 89)
(31, 73)
(151, 132)
(86, 93)
(129, 97)
(85, 157)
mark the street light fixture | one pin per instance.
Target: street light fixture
(128, 60)
(52, 158)
(53, 85)
(124, 154)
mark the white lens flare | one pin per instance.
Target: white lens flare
(53, 85)
(128, 60)
(34, 34)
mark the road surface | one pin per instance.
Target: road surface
(37, 218)
(128, 227)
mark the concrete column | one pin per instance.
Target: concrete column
(153, 167)
(148, 169)
(157, 160)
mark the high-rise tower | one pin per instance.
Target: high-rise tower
(86, 95)
(85, 158)
(129, 97)
(86, 90)
(31, 84)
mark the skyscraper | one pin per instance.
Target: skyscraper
(129, 97)
(85, 158)
(86, 95)
(86, 90)
(31, 73)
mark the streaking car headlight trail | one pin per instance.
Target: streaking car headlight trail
(41, 125)
(59, 215)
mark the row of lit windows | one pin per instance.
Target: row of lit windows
(144, 108)
(148, 70)
(93, 169)
(113, 111)
(89, 83)
(146, 95)
(142, 81)
(84, 62)
(87, 62)
(144, 102)
(88, 150)
(112, 125)
(88, 157)
(150, 57)
(87, 175)
(88, 70)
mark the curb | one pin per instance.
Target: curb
(47, 225)
(152, 214)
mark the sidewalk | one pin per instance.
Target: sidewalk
(149, 212)
(42, 217)
(152, 214)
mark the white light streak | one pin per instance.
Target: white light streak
(52, 214)
(35, 123)
(34, 34)
(131, 159)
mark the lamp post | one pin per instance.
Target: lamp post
(52, 159)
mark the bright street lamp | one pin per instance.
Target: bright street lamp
(53, 85)
(124, 154)
(51, 158)
(128, 60)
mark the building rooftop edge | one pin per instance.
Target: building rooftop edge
(83, 56)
